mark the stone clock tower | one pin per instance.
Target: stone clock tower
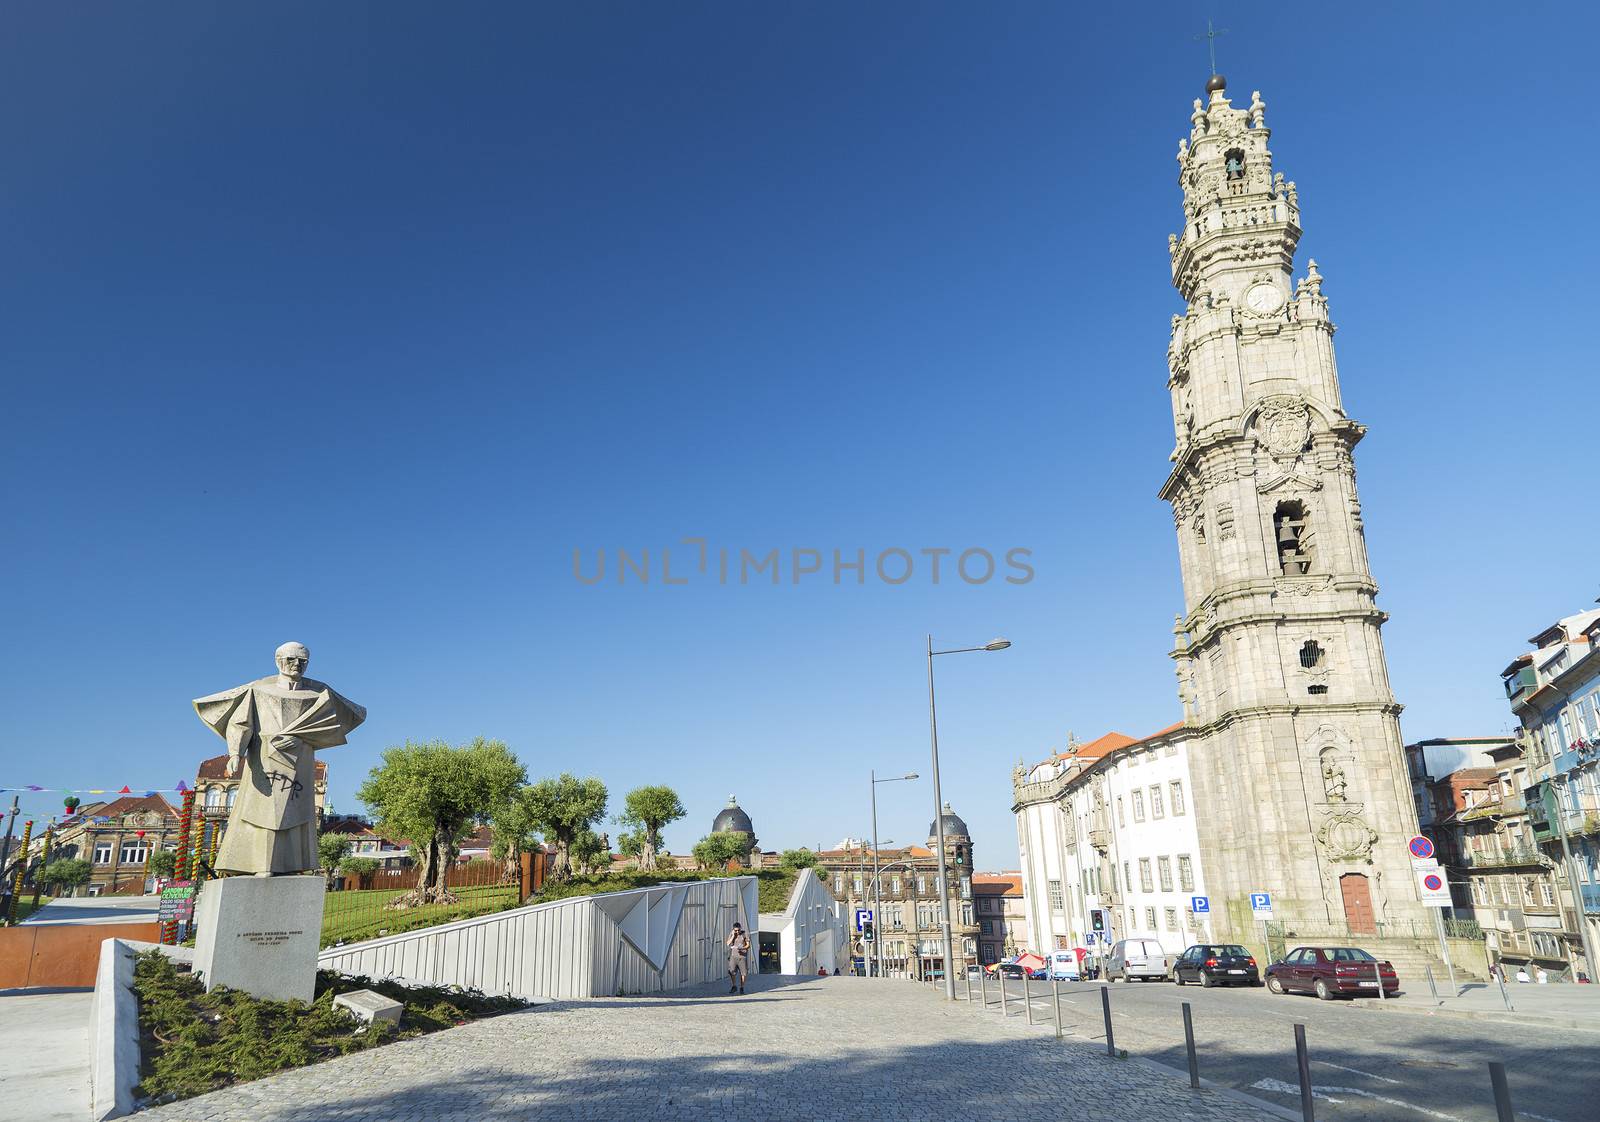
(1299, 776)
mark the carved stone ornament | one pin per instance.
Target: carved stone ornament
(1283, 427)
(1347, 837)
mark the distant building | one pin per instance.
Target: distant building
(907, 900)
(1111, 825)
(1002, 915)
(365, 841)
(733, 819)
(1554, 691)
(1430, 760)
(116, 838)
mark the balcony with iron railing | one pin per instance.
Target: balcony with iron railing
(1498, 808)
(1503, 858)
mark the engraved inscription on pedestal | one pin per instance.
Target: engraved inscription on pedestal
(260, 935)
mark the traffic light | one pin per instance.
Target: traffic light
(866, 931)
(1097, 919)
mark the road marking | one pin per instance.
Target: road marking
(1358, 1071)
(1328, 1093)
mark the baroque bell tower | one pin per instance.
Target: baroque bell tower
(1296, 757)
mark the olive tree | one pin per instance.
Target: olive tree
(715, 850)
(646, 812)
(433, 794)
(562, 807)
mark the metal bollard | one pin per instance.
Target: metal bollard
(1377, 972)
(966, 976)
(1502, 1093)
(1055, 999)
(983, 987)
(1303, 1061)
(1027, 996)
(999, 976)
(1188, 1040)
(1105, 1004)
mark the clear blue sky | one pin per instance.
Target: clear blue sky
(348, 323)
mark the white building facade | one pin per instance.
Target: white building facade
(1111, 825)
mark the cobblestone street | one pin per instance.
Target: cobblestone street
(822, 1048)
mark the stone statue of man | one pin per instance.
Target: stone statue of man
(273, 727)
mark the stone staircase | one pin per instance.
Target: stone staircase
(1412, 958)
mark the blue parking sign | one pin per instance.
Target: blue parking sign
(1200, 905)
(1260, 901)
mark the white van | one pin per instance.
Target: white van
(1138, 958)
(1064, 966)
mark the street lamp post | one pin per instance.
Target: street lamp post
(938, 809)
(877, 941)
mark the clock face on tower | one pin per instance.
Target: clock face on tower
(1263, 298)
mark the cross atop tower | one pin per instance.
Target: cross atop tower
(1211, 43)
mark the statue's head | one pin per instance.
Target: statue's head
(292, 660)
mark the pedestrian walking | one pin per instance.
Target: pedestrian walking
(738, 959)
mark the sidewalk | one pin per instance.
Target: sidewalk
(821, 1049)
(98, 909)
(1556, 1006)
(44, 1056)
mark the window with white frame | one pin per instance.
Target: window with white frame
(894, 884)
(1122, 818)
(1150, 918)
(1176, 801)
(134, 852)
(838, 884)
(855, 883)
(1157, 810)
(1185, 873)
(1546, 895)
(102, 853)
(1056, 903)
(1138, 805)
(1164, 871)
(1145, 881)
(1171, 916)
(922, 884)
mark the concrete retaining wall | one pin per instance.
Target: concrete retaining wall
(644, 940)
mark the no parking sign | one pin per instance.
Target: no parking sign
(1432, 887)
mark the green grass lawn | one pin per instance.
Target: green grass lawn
(350, 916)
(25, 906)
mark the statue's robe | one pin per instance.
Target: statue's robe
(272, 827)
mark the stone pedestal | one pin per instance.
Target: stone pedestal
(260, 935)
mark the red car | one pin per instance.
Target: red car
(1331, 972)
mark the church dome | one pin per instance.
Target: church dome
(954, 827)
(732, 817)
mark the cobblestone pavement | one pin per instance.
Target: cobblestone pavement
(814, 1049)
